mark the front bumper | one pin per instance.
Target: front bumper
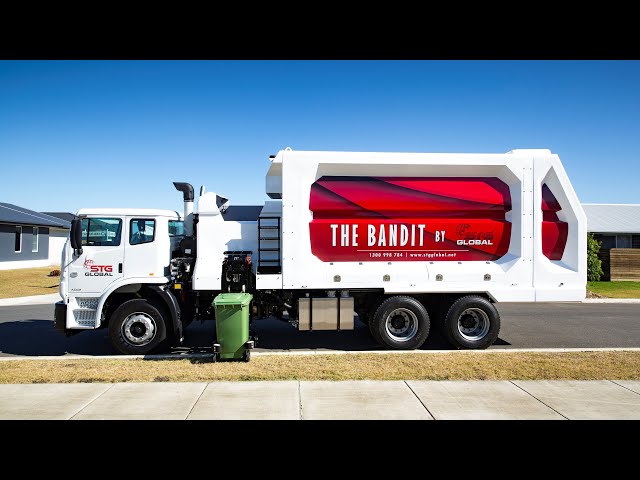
(60, 316)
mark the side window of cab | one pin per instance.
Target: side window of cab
(141, 230)
(101, 232)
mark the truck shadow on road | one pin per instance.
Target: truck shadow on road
(34, 337)
(277, 335)
(39, 337)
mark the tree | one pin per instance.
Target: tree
(594, 264)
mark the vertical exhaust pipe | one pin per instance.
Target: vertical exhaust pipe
(187, 195)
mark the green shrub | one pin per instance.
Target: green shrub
(594, 264)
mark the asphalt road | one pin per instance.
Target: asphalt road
(28, 331)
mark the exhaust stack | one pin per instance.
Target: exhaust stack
(187, 195)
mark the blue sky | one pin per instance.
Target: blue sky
(79, 134)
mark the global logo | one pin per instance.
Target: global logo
(97, 270)
(470, 237)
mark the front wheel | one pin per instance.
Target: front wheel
(137, 327)
(472, 322)
(401, 323)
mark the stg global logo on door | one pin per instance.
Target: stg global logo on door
(409, 219)
(97, 270)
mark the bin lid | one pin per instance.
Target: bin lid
(233, 299)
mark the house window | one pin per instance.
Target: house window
(18, 239)
(607, 241)
(623, 241)
(34, 244)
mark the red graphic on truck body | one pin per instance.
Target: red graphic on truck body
(409, 219)
(554, 231)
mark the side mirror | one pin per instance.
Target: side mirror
(75, 235)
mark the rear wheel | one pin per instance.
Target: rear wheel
(401, 323)
(137, 327)
(472, 322)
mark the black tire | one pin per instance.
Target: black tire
(400, 323)
(369, 319)
(373, 331)
(472, 322)
(125, 325)
(246, 357)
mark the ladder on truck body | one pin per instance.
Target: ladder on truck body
(268, 253)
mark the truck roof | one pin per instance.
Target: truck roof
(143, 212)
(359, 157)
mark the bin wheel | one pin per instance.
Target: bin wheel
(246, 356)
(215, 358)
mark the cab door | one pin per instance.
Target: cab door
(100, 263)
(142, 247)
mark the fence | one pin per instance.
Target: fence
(625, 264)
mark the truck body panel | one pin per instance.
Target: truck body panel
(470, 185)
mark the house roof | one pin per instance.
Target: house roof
(66, 216)
(612, 218)
(21, 216)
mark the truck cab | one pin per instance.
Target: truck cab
(124, 255)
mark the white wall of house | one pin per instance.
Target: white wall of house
(26, 264)
(57, 237)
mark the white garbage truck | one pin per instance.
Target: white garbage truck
(403, 240)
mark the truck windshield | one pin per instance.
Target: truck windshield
(101, 232)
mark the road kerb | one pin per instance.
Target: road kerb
(326, 352)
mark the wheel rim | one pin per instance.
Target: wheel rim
(401, 324)
(473, 324)
(139, 329)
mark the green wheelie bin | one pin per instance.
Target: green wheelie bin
(232, 326)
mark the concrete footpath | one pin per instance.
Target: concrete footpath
(324, 400)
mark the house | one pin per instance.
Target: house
(66, 216)
(56, 241)
(617, 228)
(30, 239)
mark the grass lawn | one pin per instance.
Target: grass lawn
(615, 289)
(23, 282)
(456, 365)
